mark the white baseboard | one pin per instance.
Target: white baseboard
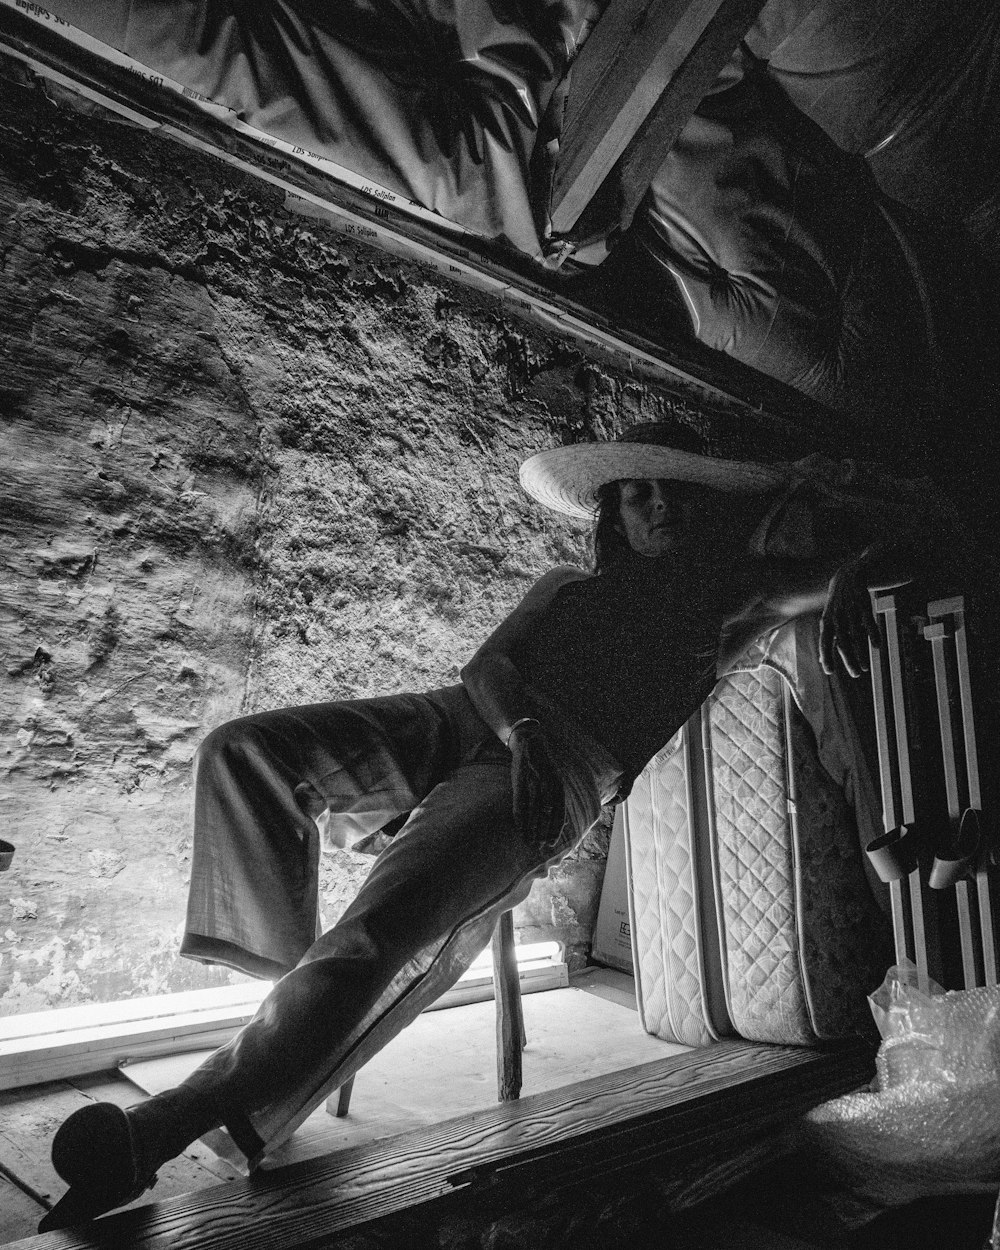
(72, 1041)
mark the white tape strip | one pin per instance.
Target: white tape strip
(220, 112)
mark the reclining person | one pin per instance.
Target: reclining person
(556, 713)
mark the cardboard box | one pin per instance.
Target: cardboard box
(612, 943)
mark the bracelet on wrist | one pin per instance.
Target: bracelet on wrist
(522, 723)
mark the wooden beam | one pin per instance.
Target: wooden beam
(688, 1110)
(637, 80)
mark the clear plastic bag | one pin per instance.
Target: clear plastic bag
(930, 1123)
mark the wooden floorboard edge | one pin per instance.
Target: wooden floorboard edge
(706, 1103)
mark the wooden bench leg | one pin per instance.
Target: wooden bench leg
(511, 1037)
(343, 1097)
(510, 1017)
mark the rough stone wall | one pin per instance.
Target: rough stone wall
(246, 463)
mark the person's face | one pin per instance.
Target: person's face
(657, 516)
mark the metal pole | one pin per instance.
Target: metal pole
(890, 822)
(936, 634)
(937, 611)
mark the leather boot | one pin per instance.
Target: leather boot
(109, 1156)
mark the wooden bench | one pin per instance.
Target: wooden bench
(706, 1118)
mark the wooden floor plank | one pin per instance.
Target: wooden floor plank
(30, 1118)
(27, 1126)
(697, 1103)
(19, 1213)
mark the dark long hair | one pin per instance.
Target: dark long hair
(609, 545)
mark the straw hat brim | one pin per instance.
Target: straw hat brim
(567, 479)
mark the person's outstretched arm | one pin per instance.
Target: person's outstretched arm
(836, 589)
(847, 621)
(909, 533)
(497, 691)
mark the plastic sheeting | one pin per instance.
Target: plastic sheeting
(812, 213)
(768, 233)
(931, 1125)
(777, 242)
(913, 86)
(439, 101)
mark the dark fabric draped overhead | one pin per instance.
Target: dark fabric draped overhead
(828, 215)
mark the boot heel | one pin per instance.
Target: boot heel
(94, 1145)
(95, 1152)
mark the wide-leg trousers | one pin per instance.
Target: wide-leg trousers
(426, 909)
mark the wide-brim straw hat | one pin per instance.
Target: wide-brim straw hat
(567, 479)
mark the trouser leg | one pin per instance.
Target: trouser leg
(253, 897)
(427, 908)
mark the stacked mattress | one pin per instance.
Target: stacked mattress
(751, 912)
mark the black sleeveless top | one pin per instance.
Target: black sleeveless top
(631, 654)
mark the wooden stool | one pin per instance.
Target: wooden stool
(510, 1021)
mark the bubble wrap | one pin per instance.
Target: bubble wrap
(930, 1124)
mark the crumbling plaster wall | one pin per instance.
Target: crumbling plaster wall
(247, 462)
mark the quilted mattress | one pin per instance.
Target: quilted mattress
(751, 912)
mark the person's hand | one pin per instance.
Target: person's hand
(847, 623)
(539, 802)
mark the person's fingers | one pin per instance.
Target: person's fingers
(849, 660)
(825, 641)
(868, 635)
(539, 811)
(828, 634)
(555, 809)
(525, 785)
(528, 797)
(849, 642)
(549, 796)
(848, 627)
(856, 640)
